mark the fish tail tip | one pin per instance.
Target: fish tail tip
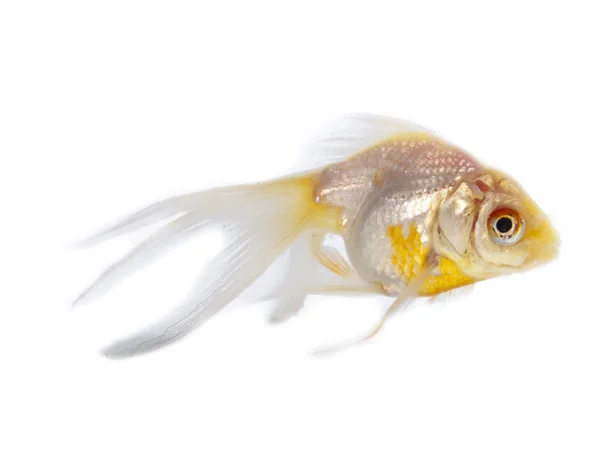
(83, 298)
(81, 244)
(114, 352)
(78, 302)
(112, 356)
(323, 352)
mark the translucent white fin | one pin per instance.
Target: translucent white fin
(331, 258)
(406, 297)
(162, 210)
(208, 207)
(307, 275)
(260, 225)
(144, 253)
(349, 135)
(289, 294)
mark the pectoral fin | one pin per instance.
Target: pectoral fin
(408, 294)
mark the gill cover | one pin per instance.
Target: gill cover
(456, 217)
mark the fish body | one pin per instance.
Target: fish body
(390, 194)
(418, 216)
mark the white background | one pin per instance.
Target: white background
(106, 106)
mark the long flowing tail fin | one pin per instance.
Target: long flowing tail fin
(260, 220)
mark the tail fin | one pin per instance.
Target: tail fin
(261, 221)
(161, 210)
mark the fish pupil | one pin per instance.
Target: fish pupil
(504, 225)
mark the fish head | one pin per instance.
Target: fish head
(490, 226)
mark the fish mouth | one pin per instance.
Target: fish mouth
(545, 251)
(543, 242)
(543, 256)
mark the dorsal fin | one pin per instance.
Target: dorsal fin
(350, 134)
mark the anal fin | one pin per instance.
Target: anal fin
(315, 269)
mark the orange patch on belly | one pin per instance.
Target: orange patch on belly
(409, 255)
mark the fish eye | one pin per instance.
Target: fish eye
(505, 226)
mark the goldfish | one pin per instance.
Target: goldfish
(418, 217)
